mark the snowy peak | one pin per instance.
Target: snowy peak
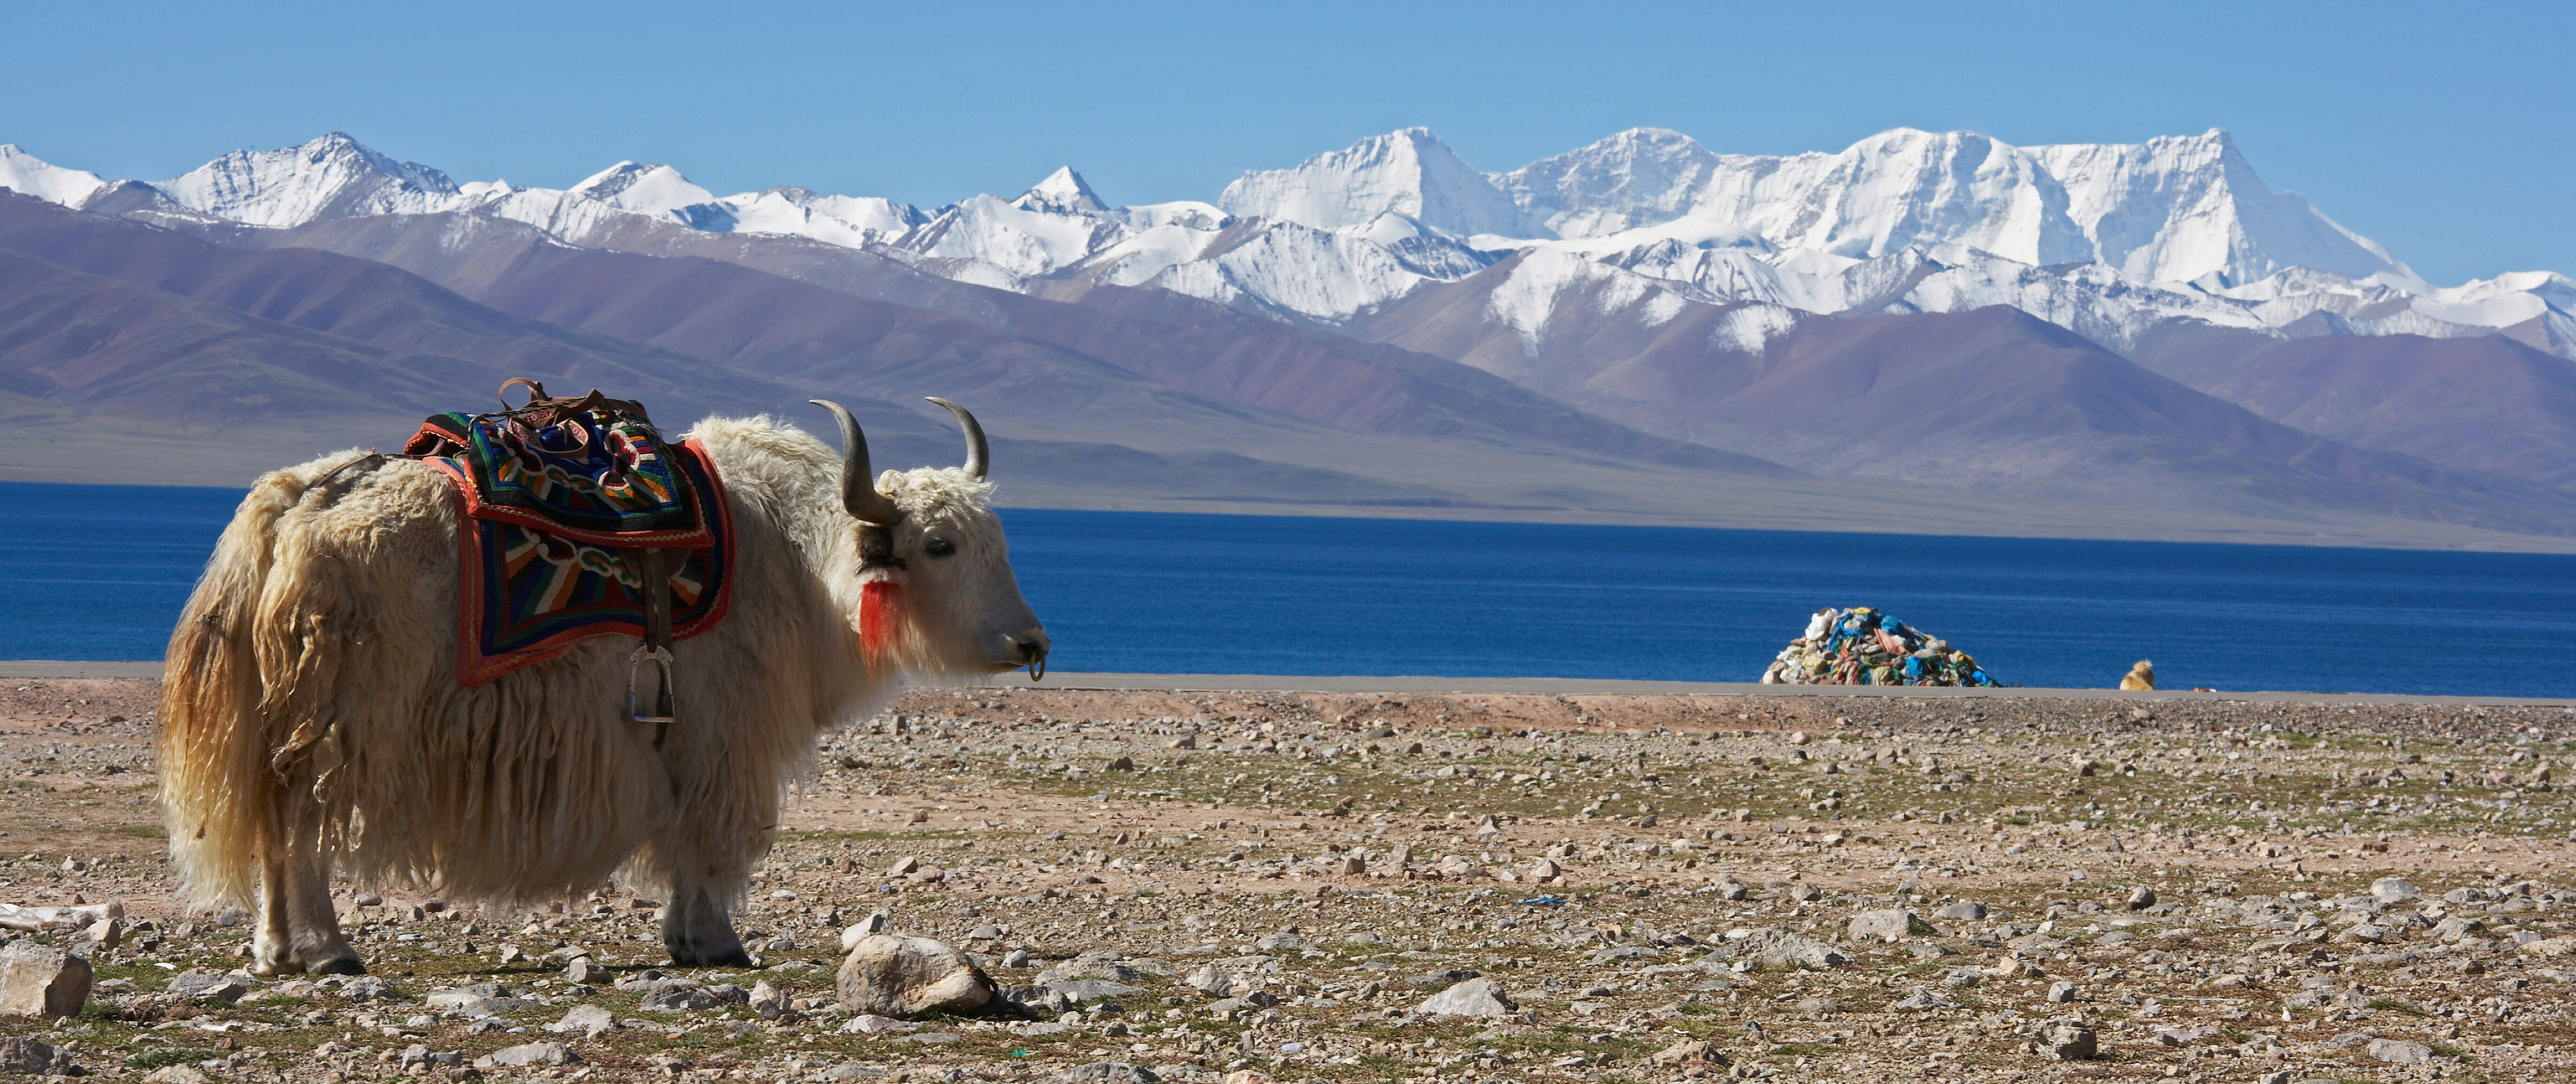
(331, 177)
(29, 175)
(1063, 192)
(1639, 177)
(1410, 173)
(2176, 208)
(658, 191)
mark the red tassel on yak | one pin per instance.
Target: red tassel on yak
(881, 619)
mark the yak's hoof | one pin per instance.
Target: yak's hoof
(726, 956)
(341, 965)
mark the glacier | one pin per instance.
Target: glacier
(2107, 240)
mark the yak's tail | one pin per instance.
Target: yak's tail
(219, 798)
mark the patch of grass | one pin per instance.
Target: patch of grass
(2399, 1004)
(161, 1059)
(142, 831)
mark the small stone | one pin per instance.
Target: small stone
(1545, 870)
(511, 954)
(2140, 898)
(2548, 947)
(2391, 890)
(176, 1074)
(2069, 1042)
(919, 816)
(370, 899)
(1820, 1004)
(679, 995)
(985, 932)
(531, 1054)
(1107, 1072)
(40, 980)
(766, 1001)
(1016, 958)
(1799, 737)
(2061, 993)
(1474, 997)
(1963, 911)
(872, 1024)
(1685, 1050)
(903, 866)
(586, 971)
(2012, 967)
(589, 1020)
(1924, 998)
(1211, 980)
(1122, 764)
(893, 975)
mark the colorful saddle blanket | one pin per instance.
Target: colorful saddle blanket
(552, 500)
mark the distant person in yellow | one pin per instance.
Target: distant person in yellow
(2141, 676)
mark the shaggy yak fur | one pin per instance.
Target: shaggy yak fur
(312, 721)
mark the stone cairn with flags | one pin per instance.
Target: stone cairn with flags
(1863, 646)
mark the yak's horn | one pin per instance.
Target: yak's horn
(858, 483)
(979, 456)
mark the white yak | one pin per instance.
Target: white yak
(312, 721)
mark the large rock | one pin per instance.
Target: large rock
(894, 975)
(2399, 1051)
(23, 1055)
(1780, 948)
(40, 980)
(1474, 997)
(1892, 924)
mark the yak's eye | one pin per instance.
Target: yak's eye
(938, 547)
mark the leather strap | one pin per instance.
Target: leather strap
(653, 568)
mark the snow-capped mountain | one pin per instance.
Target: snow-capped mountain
(331, 177)
(2172, 209)
(26, 174)
(2108, 240)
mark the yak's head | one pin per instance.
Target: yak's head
(935, 590)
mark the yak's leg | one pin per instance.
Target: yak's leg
(273, 946)
(319, 946)
(697, 930)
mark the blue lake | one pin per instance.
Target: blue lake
(99, 572)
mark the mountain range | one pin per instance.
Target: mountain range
(1932, 332)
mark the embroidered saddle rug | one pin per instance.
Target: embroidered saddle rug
(555, 494)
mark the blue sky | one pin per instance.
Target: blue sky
(2443, 131)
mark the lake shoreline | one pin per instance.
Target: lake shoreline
(1417, 685)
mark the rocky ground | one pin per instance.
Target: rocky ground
(1275, 886)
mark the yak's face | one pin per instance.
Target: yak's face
(950, 574)
(930, 587)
